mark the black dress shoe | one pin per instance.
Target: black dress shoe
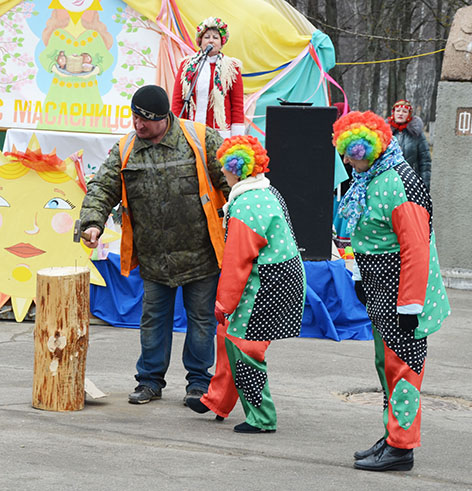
(219, 418)
(387, 458)
(197, 405)
(362, 454)
(247, 428)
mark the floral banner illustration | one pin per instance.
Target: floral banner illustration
(73, 65)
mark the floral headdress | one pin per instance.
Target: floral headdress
(213, 23)
(391, 119)
(403, 103)
(244, 156)
(361, 135)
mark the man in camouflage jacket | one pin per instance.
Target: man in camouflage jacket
(170, 235)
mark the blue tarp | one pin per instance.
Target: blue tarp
(340, 223)
(332, 309)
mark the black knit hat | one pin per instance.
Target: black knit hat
(150, 102)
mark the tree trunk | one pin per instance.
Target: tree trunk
(392, 88)
(376, 11)
(61, 338)
(388, 26)
(335, 72)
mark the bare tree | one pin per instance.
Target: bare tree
(372, 31)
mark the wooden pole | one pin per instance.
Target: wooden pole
(61, 338)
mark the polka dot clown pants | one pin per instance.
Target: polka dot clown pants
(241, 372)
(401, 375)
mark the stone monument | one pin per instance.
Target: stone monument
(451, 178)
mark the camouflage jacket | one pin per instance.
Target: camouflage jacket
(169, 225)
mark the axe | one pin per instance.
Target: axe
(78, 234)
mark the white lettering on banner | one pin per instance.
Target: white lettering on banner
(74, 114)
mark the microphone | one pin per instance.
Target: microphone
(208, 49)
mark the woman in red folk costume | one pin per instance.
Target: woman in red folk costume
(217, 99)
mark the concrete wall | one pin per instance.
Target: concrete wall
(451, 180)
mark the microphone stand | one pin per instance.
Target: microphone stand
(194, 82)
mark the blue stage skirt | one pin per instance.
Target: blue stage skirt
(332, 310)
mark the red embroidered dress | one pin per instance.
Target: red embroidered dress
(218, 99)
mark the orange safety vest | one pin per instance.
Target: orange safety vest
(212, 199)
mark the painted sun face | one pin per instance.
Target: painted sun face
(37, 217)
(36, 229)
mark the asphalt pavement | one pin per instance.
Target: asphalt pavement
(328, 404)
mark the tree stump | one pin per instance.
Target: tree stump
(61, 338)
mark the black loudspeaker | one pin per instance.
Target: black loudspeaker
(298, 142)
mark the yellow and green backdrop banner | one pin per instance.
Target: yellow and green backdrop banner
(74, 65)
(68, 65)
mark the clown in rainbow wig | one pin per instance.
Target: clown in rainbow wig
(261, 292)
(362, 135)
(243, 156)
(397, 276)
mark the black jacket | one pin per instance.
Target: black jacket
(415, 148)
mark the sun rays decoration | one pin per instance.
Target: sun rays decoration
(40, 199)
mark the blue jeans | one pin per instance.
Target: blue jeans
(156, 332)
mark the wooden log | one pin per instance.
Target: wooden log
(61, 338)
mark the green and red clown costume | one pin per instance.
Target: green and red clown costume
(389, 212)
(261, 291)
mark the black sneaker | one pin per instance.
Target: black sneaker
(193, 394)
(143, 394)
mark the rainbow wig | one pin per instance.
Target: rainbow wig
(361, 135)
(243, 155)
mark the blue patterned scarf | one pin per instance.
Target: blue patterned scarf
(352, 205)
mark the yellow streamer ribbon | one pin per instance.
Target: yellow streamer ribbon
(388, 61)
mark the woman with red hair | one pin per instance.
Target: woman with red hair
(397, 276)
(261, 291)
